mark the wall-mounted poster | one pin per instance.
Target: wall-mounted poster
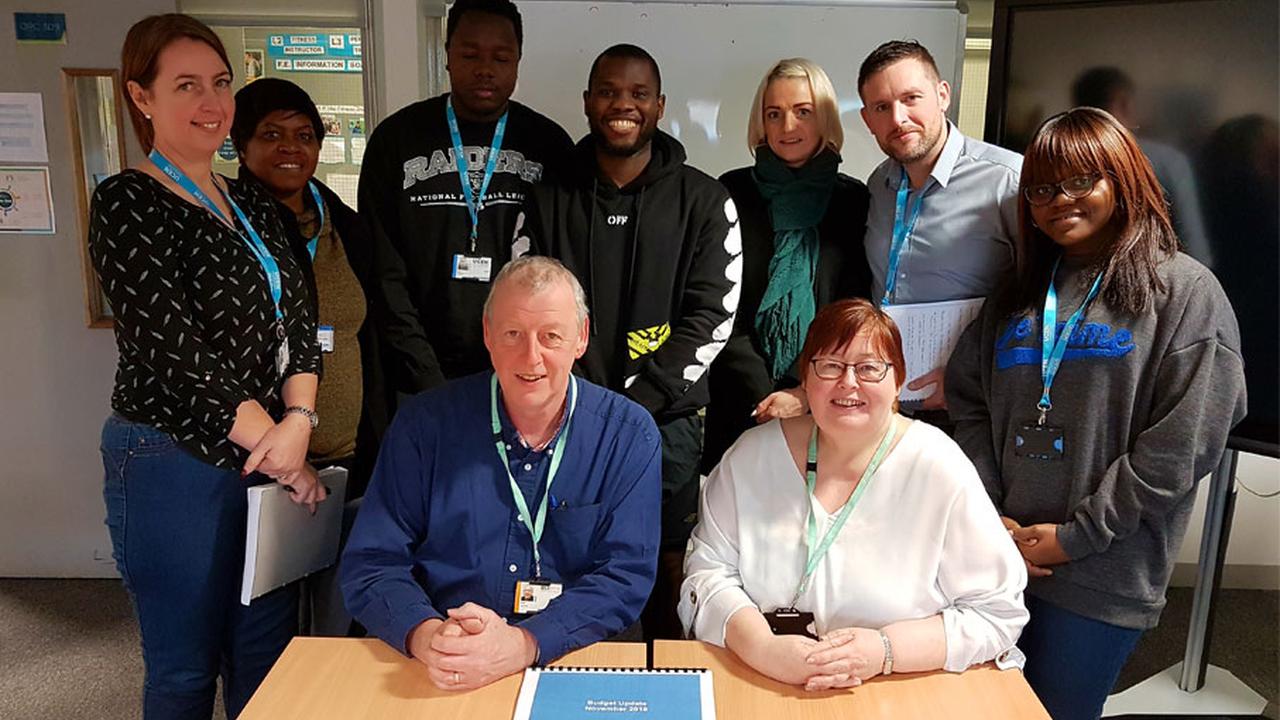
(253, 64)
(333, 149)
(26, 201)
(316, 52)
(22, 136)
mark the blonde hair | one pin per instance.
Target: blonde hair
(826, 106)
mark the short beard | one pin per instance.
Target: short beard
(922, 150)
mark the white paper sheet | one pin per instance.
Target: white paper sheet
(22, 137)
(346, 187)
(929, 334)
(333, 149)
(357, 150)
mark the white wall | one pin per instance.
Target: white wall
(55, 373)
(1253, 550)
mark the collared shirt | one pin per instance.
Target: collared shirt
(439, 527)
(962, 245)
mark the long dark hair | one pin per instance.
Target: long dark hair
(1081, 141)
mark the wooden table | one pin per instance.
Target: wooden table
(344, 678)
(743, 694)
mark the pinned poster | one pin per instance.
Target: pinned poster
(345, 186)
(333, 150)
(22, 137)
(26, 201)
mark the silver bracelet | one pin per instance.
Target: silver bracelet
(305, 412)
(887, 668)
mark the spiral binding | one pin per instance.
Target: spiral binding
(573, 668)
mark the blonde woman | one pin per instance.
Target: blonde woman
(802, 225)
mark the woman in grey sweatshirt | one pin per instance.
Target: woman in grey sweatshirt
(1090, 438)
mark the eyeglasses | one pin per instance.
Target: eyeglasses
(1073, 187)
(868, 371)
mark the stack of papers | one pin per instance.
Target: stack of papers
(284, 541)
(930, 332)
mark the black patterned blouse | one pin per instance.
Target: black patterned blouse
(194, 320)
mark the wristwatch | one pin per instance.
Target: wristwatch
(305, 412)
(887, 669)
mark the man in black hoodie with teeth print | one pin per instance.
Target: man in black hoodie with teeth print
(655, 244)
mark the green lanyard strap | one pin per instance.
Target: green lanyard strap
(535, 527)
(819, 550)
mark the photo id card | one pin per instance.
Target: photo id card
(789, 621)
(1039, 442)
(468, 267)
(535, 595)
(324, 338)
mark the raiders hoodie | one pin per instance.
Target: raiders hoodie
(660, 260)
(412, 201)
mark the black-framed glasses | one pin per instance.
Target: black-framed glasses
(1073, 187)
(868, 371)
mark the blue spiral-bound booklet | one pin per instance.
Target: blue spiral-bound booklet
(574, 693)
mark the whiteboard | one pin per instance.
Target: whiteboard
(712, 58)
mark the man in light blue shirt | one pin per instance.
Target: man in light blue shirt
(448, 561)
(959, 215)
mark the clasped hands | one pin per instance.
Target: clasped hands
(281, 455)
(843, 658)
(1038, 545)
(472, 648)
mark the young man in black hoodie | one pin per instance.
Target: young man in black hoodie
(439, 242)
(655, 244)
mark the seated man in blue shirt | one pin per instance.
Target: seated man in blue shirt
(513, 515)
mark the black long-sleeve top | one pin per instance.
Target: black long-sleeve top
(412, 202)
(739, 376)
(194, 320)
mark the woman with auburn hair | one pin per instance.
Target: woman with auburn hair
(216, 381)
(1092, 393)
(804, 563)
(802, 224)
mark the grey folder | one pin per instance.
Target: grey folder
(285, 542)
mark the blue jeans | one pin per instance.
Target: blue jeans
(1073, 661)
(177, 532)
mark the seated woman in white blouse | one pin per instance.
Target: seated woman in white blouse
(854, 525)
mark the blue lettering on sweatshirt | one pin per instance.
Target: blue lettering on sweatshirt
(1091, 340)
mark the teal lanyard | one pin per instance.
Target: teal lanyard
(1053, 345)
(250, 235)
(535, 526)
(819, 550)
(475, 203)
(902, 229)
(314, 242)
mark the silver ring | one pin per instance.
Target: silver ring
(456, 680)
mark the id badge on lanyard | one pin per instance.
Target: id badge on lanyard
(251, 238)
(789, 620)
(472, 265)
(1039, 440)
(536, 593)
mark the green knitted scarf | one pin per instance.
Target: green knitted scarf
(797, 199)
